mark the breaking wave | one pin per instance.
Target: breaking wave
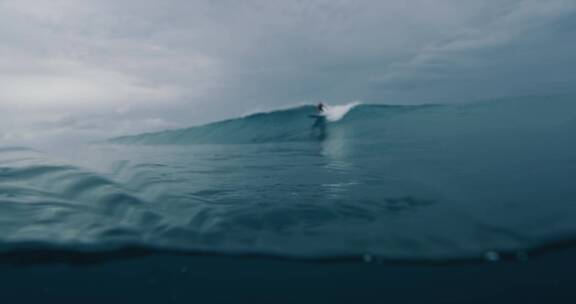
(289, 125)
(397, 182)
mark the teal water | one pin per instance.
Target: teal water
(418, 183)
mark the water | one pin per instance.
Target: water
(419, 183)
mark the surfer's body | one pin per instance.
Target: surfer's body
(320, 112)
(321, 108)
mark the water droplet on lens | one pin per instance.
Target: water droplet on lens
(521, 256)
(367, 258)
(492, 256)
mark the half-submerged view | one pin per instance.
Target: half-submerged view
(287, 151)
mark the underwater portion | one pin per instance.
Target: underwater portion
(418, 183)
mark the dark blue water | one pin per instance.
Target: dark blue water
(418, 183)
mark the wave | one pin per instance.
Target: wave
(419, 183)
(355, 121)
(293, 124)
(43, 200)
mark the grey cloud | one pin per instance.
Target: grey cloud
(176, 63)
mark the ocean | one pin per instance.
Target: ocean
(386, 195)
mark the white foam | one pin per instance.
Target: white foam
(335, 113)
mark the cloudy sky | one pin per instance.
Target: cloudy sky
(99, 68)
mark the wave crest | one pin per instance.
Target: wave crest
(289, 125)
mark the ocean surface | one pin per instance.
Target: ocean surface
(476, 181)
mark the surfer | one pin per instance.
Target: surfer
(319, 127)
(321, 111)
(321, 108)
